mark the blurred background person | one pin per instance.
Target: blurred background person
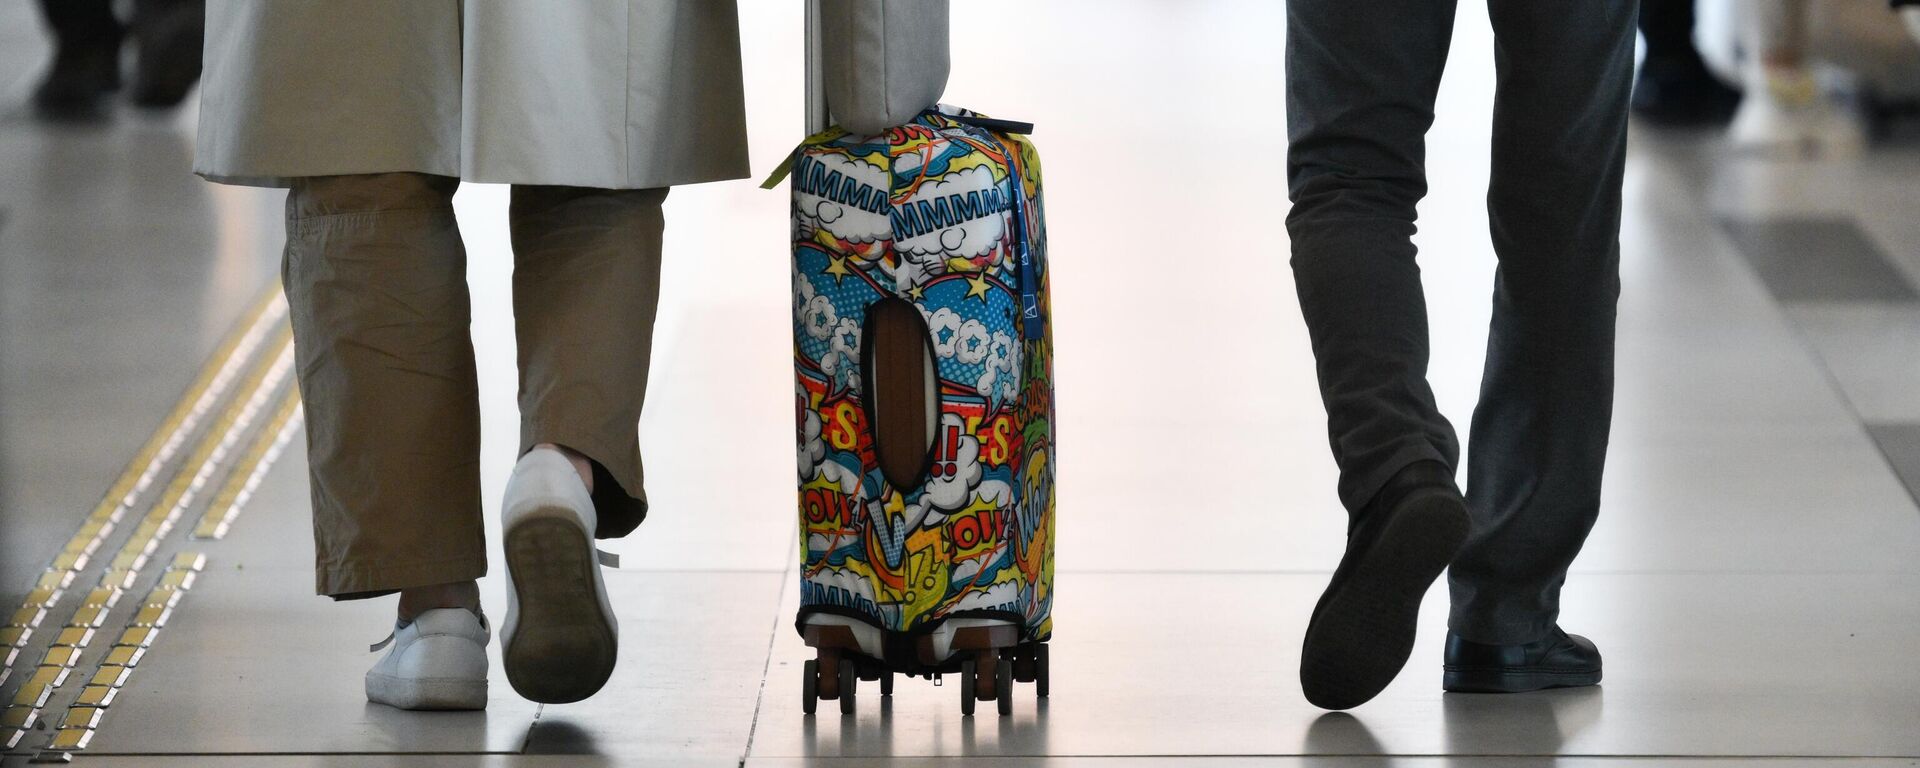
(1674, 86)
(88, 38)
(1821, 77)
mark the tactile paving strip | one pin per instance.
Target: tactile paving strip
(83, 717)
(238, 353)
(213, 384)
(252, 468)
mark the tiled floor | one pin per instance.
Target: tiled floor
(1752, 580)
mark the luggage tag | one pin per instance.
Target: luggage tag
(1033, 327)
(785, 167)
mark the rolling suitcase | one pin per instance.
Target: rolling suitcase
(924, 408)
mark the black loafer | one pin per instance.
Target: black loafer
(1558, 661)
(1363, 628)
(81, 77)
(169, 38)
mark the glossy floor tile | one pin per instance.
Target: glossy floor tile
(1818, 260)
(1331, 761)
(1873, 352)
(1901, 444)
(1190, 664)
(1751, 579)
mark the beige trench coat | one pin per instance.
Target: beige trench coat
(617, 94)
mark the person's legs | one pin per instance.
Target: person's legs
(1361, 81)
(86, 54)
(375, 276)
(586, 283)
(1539, 435)
(1786, 115)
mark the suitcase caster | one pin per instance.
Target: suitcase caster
(1029, 662)
(831, 677)
(886, 683)
(810, 686)
(849, 681)
(994, 684)
(1003, 684)
(1041, 673)
(969, 675)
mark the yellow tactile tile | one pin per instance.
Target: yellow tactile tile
(84, 544)
(61, 657)
(32, 695)
(88, 617)
(211, 528)
(188, 561)
(103, 597)
(74, 637)
(96, 696)
(10, 738)
(182, 580)
(94, 526)
(119, 577)
(46, 675)
(81, 717)
(34, 690)
(110, 676)
(125, 655)
(70, 561)
(138, 637)
(152, 616)
(55, 579)
(43, 597)
(19, 717)
(72, 739)
(28, 616)
(14, 637)
(163, 596)
(7, 656)
(129, 561)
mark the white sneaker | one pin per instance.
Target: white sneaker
(1785, 117)
(560, 639)
(436, 661)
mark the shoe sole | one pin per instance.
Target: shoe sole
(563, 646)
(1364, 632)
(1502, 680)
(440, 694)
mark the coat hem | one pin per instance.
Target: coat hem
(286, 180)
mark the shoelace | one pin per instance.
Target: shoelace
(605, 558)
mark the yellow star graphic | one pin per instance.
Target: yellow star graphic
(917, 292)
(837, 266)
(979, 287)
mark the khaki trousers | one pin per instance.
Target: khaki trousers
(375, 273)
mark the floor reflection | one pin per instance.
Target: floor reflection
(1540, 723)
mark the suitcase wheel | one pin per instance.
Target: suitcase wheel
(849, 682)
(1040, 671)
(810, 686)
(968, 689)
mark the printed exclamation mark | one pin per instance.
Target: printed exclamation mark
(948, 463)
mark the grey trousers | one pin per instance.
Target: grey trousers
(1361, 81)
(376, 279)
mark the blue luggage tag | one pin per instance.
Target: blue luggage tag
(1032, 326)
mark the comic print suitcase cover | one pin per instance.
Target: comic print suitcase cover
(950, 570)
